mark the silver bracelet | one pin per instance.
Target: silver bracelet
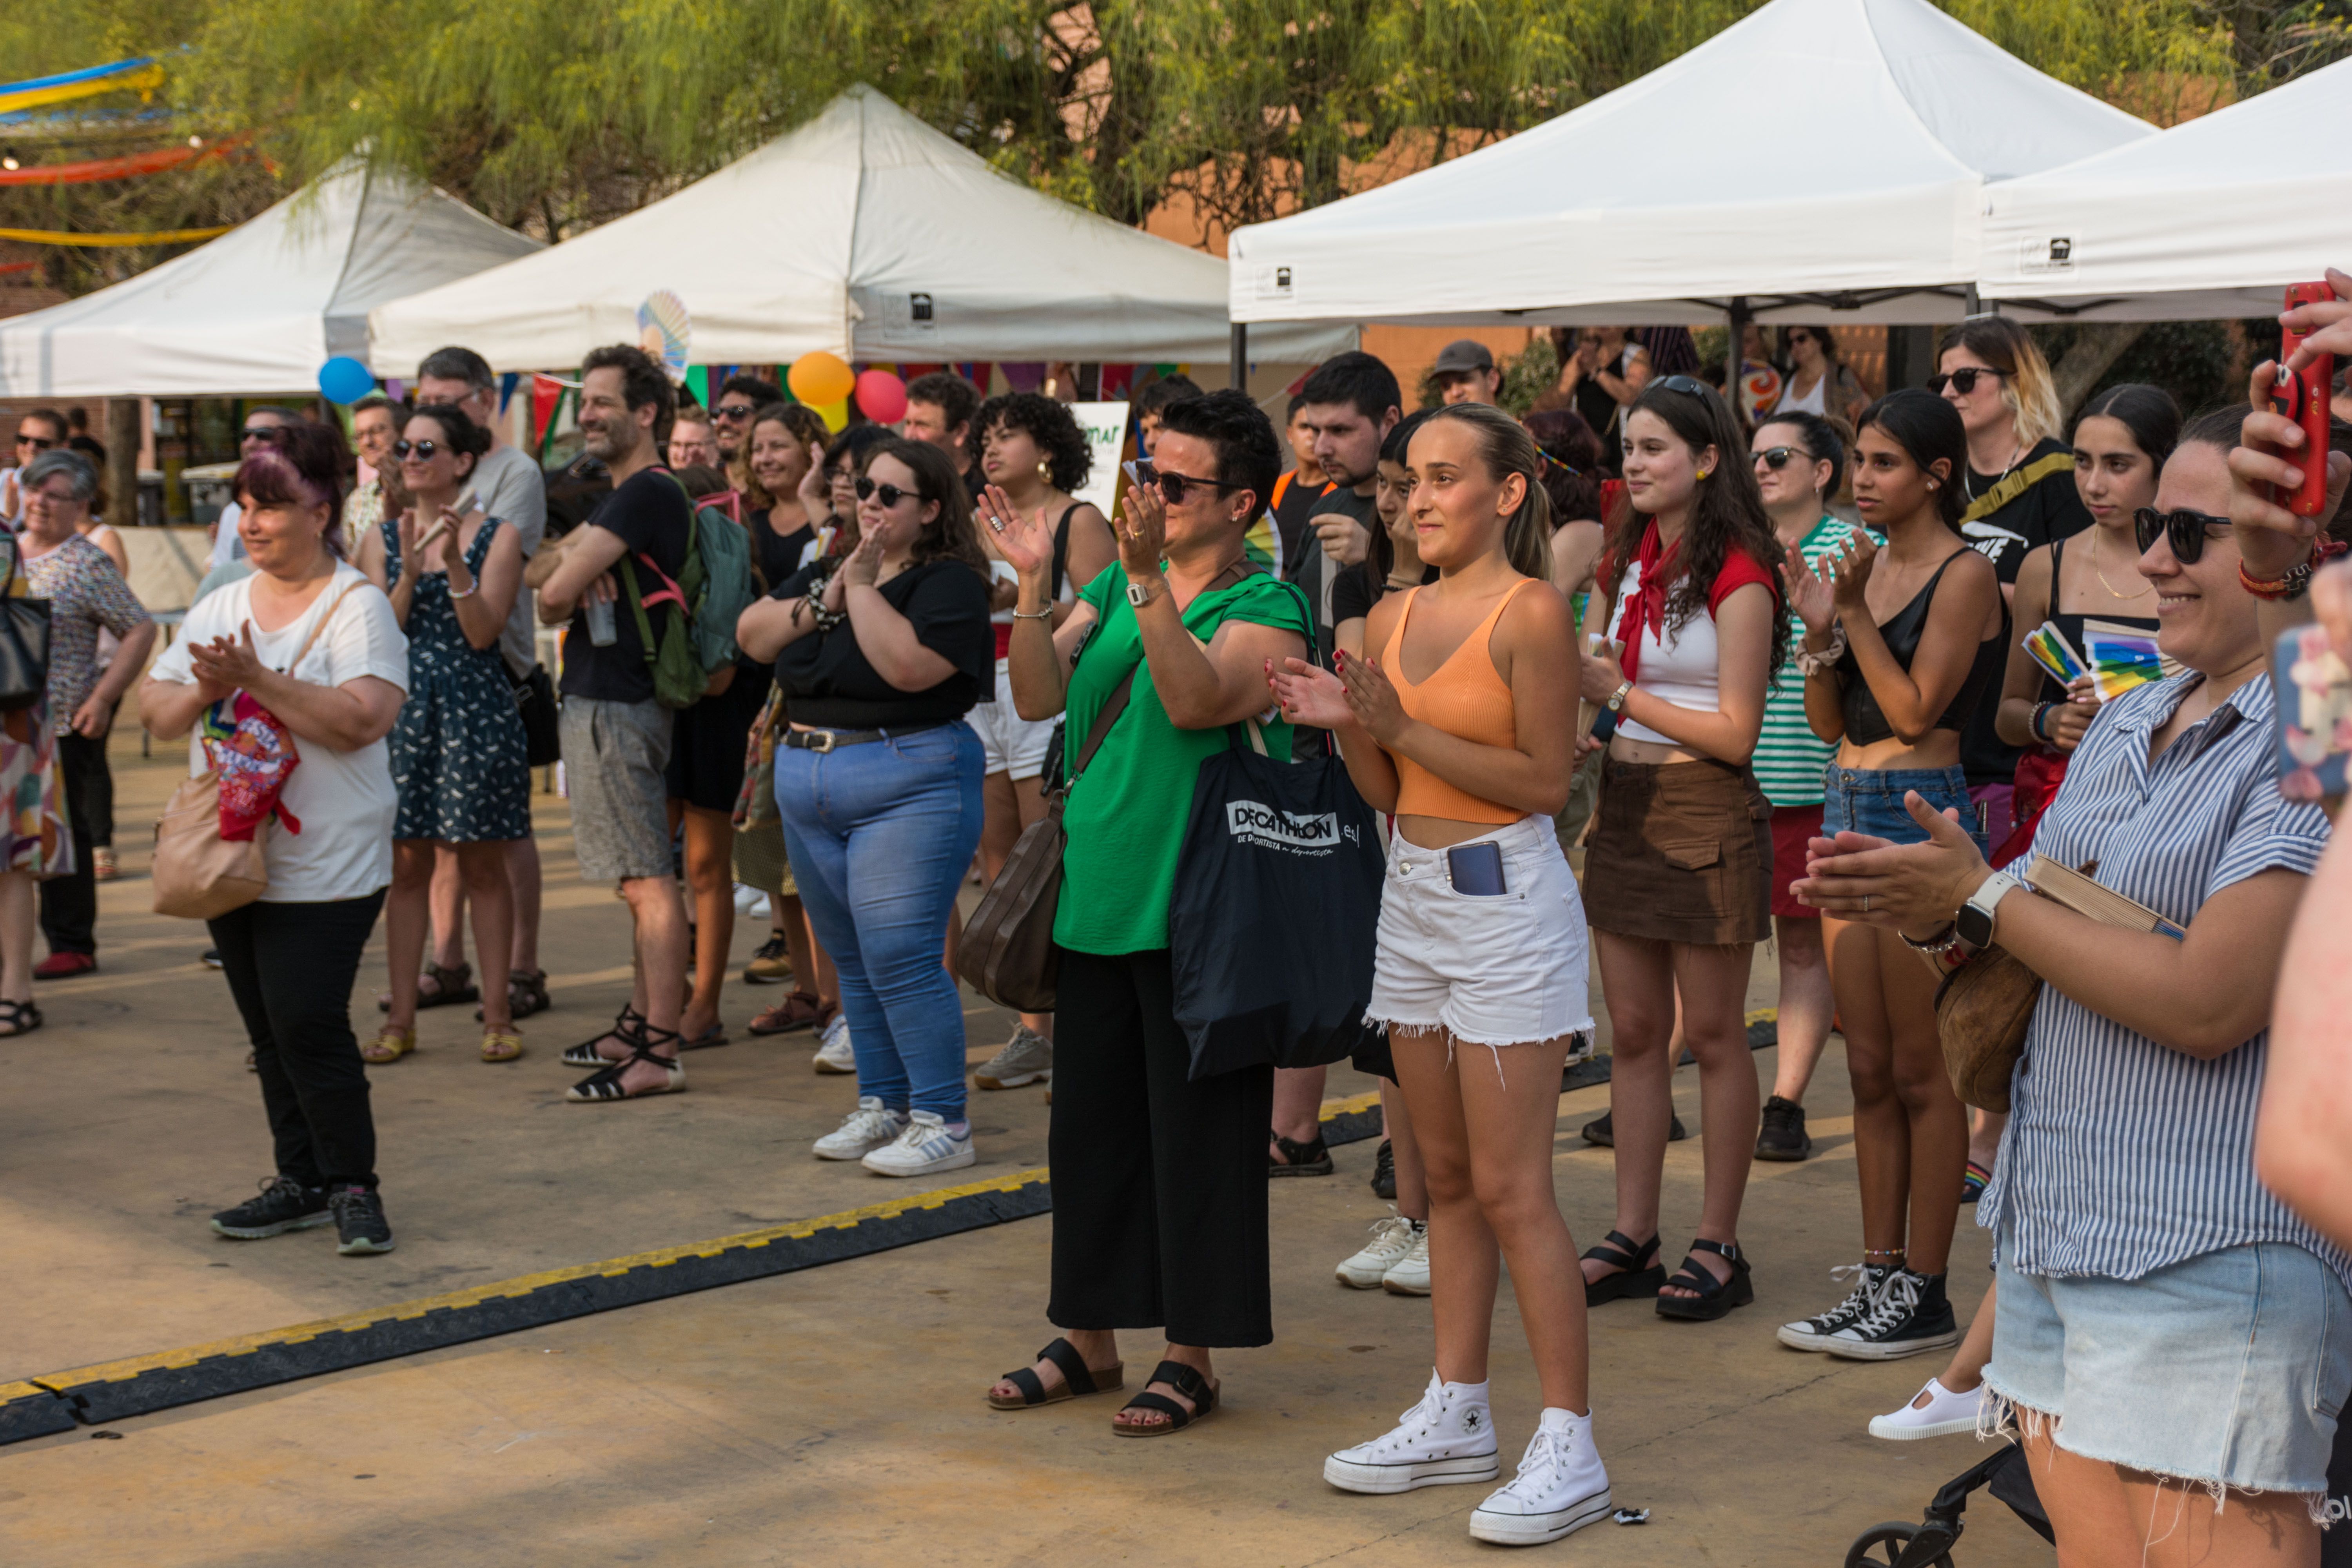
(1044, 615)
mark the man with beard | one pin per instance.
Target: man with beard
(1351, 402)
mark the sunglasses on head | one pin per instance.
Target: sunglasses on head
(36, 443)
(421, 450)
(1778, 457)
(1963, 379)
(890, 495)
(1689, 385)
(2185, 531)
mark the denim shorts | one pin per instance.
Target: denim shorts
(1869, 800)
(2228, 1369)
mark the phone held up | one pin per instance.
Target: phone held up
(2301, 396)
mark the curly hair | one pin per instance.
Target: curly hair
(807, 427)
(1069, 457)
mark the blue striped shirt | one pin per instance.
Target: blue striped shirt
(2123, 1157)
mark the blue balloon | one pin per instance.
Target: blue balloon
(343, 379)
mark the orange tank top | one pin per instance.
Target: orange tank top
(1462, 697)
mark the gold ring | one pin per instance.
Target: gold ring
(1866, 903)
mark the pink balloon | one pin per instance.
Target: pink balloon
(881, 397)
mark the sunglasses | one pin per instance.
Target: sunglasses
(1689, 385)
(2185, 531)
(422, 451)
(1792, 339)
(1778, 457)
(260, 432)
(38, 443)
(732, 412)
(890, 495)
(1963, 380)
(1173, 487)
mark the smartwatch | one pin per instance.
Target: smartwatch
(1973, 922)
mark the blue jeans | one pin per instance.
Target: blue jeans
(1869, 800)
(880, 836)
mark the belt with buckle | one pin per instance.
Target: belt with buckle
(832, 739)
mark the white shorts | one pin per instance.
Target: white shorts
(1492, 970)
(1008, 743)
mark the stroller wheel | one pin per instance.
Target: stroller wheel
(1881, 1546)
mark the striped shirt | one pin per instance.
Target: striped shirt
(2123, 1157)
(1788, 756)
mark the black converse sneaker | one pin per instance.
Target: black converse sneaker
(1813, 1333)
(284, 1204)
(359, 1221)
(1912, 1317)
(1384, 1172)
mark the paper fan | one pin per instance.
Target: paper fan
(664, 330)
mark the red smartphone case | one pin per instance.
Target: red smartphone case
(2302, 397)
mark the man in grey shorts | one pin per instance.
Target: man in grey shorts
(616, 735)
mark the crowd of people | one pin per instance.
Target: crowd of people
(1656, 673)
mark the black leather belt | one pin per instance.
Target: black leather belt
(832, 739)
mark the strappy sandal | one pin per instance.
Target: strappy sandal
(714, 1035)
(501, 1046)
(800, 1010)
(1077, 1379)
(389, 1046)
(1185, 1381)
(1638, 1272)
(18, 1018)
(604, 1087)
(584, 1055)
(450, 986)
(526, 994)
(1714, 1298)
(1312, 1158)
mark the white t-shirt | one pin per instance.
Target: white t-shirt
(1683, 665)
(508, 486)
(344, 800)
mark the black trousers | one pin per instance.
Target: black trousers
(1160, 1184)
(69, 903)
(290, 968)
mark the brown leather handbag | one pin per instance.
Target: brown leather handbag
(1007, 952)
(1983, 1011)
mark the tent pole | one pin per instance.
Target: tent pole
(1736, 318)
(1241, 355)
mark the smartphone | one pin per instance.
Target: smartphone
(1141, 474)
(2301, 396)
(2314, 714)
(1477, 869)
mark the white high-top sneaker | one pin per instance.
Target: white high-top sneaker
(1561, 1487)
(1447, 1439)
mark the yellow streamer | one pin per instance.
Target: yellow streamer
(144, 80)
(159, 237)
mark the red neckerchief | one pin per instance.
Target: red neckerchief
(1644, 609)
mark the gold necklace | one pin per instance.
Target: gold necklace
(2101, 577)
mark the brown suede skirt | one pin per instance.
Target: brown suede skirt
(1680, 852)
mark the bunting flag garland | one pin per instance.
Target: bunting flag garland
(141, 75)
(158, 237)
(128, 166)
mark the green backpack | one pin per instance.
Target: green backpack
(712, 589)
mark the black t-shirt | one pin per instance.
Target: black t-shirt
(2032, 505)
(828, 683)
(1356, 591)
(1316, 572)
(651, 514)
(778, 555)
(1291, 512)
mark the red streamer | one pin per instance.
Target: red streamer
(129, 166)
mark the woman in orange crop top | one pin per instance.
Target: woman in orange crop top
(1463, 726)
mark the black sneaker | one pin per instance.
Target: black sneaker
(1782, 1136)
(284, 1204)
(212, 958)
(1912, 1317)
(1384, 1172)
(359, 1222)
(1600, 1131)
(1813, 1333)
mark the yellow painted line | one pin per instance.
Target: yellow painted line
(14, 1391)
(1765, 1016)
(247, 1344)
(1332, 1107)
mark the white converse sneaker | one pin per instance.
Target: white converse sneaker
(834, 1053)
(1446, 1440)
(925, 1146)
(1409, 1275)
(1392, 1238)
(1938, 1411)
(867, 1127)
(1561, 1487)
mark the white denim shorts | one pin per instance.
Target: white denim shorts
(1503, 970)
(1008, 743)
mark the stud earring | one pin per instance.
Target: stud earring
(1933, 483)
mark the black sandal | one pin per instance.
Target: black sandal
(1638, 1272)
(526, 994)
(18, 1018)
(1185, 1381)
(450, 986)
(603, 1087)
(1602, 1130)
(584, 1055)
(1714, 1298)
(1312, 1158)
(1077, 1378)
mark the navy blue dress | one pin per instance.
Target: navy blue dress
(459, 762)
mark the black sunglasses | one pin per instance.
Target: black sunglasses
(1777, 457)
(36, 443)
(891, 495)
(730, 412)
(2185, 531)
(1689, 385)
(1964, 378)
(1173, 486)
(260, 432)
(422, 451)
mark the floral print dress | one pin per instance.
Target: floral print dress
(459, 759)
(37, 841)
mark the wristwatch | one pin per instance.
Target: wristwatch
(1140, 593)
(1616, 703)
(1973, 920)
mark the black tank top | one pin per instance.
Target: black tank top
(2073, 625)
(1865, 721)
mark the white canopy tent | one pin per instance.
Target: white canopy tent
(1817, 159)
(864, 233)
(2211, 219)
(264, 306)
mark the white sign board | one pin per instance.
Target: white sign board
(1106, 428)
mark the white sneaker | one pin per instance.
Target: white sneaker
(1409, 1275)
(1561, 1487)
(925, 1146)
(867, 1127)
(833, 1052)
(1446, 1440)
(1938, 1411)
(1392, 1238)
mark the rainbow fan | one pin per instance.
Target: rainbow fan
(664, 331)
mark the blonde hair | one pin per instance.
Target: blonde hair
(1507, 448)
(2027, 388)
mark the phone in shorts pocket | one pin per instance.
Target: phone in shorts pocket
(1476, 871)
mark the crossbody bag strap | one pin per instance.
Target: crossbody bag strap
(1113, 706)
(304, 651)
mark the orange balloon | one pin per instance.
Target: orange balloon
(819, 378)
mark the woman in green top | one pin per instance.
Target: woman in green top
(1159, 1193)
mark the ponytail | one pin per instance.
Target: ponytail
(1506, 449)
